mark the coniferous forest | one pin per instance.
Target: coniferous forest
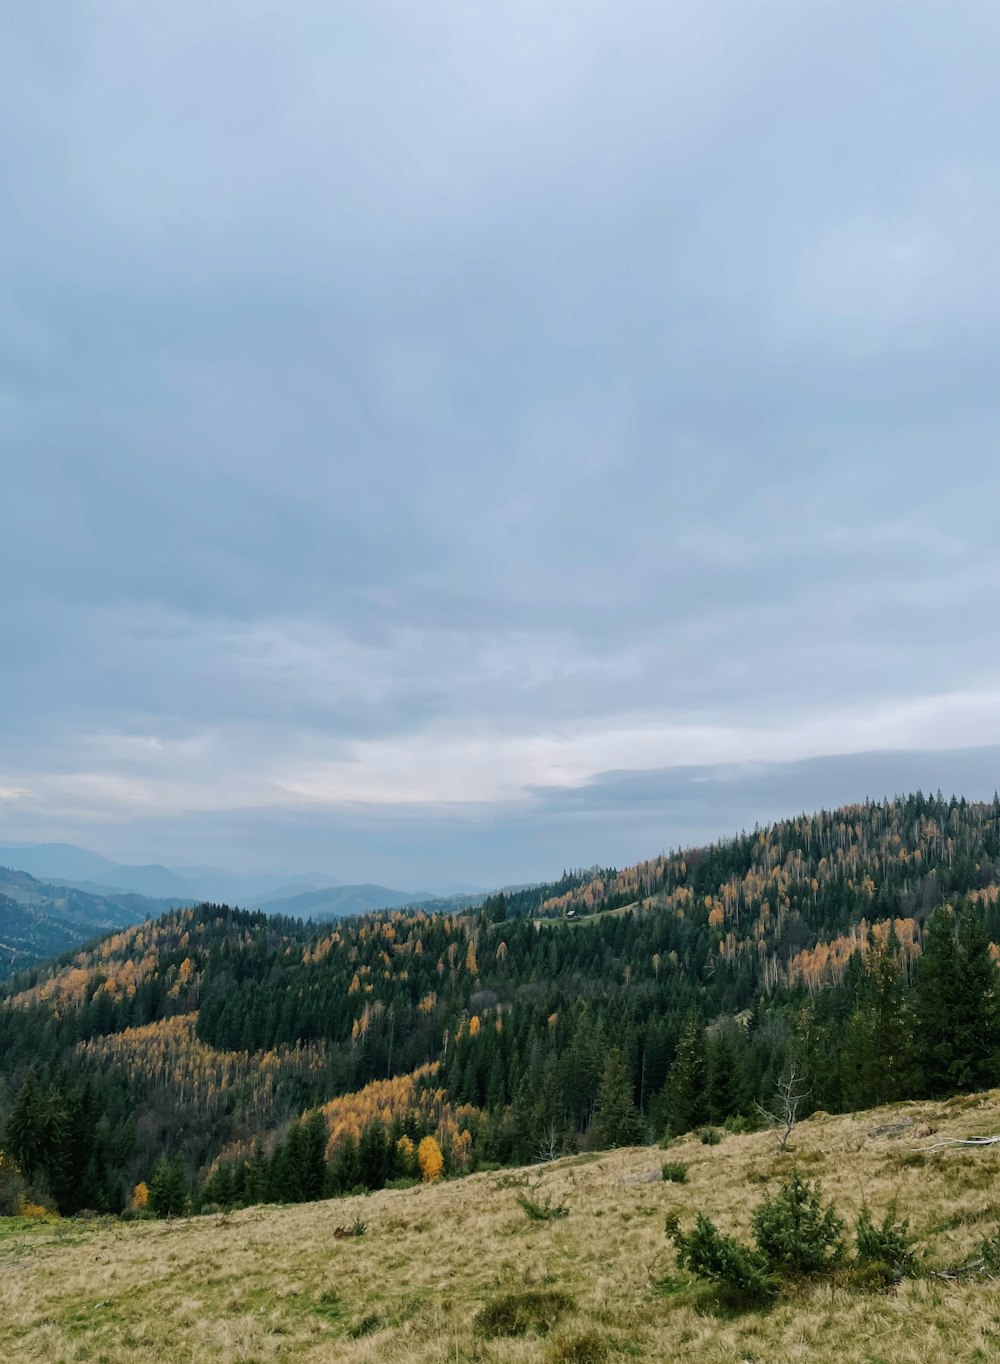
(218, 1057)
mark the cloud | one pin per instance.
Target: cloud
(403, 410)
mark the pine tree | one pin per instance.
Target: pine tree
(957, 1026)
(344, 1168)
(24, 1133)
(314, 1156)
(617, 1121)
(683, 1104)
(977, 1011)
(376, 1156)
(168, 1188)
(726, 1088)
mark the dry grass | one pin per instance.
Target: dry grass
(273, 1283)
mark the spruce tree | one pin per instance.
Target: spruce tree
(876, 1058)
(168, 1187)
(24, 1133)
(617, 1121)
(977, 1020)
(314, 1156)
(683, 1103)
(726, 1088)
(956, 1027)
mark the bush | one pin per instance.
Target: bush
(675, 1172)
(404, 1182)
(710, 1136)
(721, 1259)
(795, 1234)
(35, 1212)
(886, 1250)
(542, 1212)
(515, 1314)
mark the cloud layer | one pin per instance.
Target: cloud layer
(410, 414)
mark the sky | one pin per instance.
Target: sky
(446, 443)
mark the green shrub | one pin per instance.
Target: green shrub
(795, 1234)
(515, 1314)
(404, 1182)
(886, 1249)
(542, 1212)
(737, 1123)
(710, 1136)
(721, 1259)
(675, 1172)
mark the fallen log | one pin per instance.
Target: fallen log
(959, 1141)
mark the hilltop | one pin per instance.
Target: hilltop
(284, 1282)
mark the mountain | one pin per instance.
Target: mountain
(39, 920)
(853, 949)
(58, 861)
(65, 864)
(339, 902)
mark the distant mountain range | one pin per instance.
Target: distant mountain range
(305, 895)
(40, 919)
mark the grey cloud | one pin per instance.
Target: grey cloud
(374, 373)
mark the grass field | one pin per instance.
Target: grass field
(598, 1284)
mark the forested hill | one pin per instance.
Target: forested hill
(671, 993)
(39, 920)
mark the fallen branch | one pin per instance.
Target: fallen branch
(956, 1273)
(956, 1141)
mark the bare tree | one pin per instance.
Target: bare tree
(783, 1114)
(550, 1143)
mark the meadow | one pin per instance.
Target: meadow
(460, 1271)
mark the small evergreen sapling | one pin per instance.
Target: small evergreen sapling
(722, 1260)
(795, 1233)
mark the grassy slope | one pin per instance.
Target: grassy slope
(275, 1283)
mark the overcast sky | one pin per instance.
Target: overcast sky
(446, 442)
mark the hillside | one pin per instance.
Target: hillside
(284, 1283)
(853, 946)
(40, 920)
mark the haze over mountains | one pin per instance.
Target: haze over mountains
(302, 893)
(56, 896)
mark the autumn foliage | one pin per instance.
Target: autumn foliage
(430, 1159)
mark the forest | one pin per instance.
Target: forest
(219, 1057)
